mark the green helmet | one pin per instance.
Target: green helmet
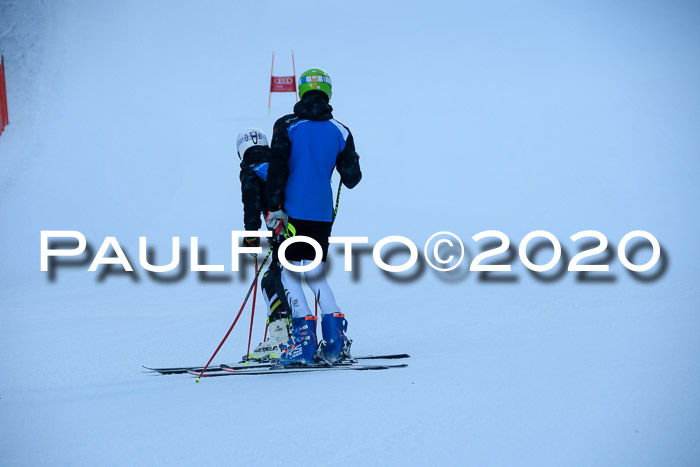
(315, 79)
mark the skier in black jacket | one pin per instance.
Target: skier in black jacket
(306, 147)
(254, 152)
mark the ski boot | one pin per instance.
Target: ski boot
(270, 349)
(335, 345)
(301, 346)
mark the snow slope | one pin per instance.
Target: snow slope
(468, 116)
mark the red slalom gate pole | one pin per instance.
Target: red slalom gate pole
(272, 70)
(4, 120)
(294, 70)
(252, 312)
(255, 281)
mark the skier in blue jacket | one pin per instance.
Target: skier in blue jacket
(306, 147)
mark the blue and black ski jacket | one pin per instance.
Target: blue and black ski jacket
(306, 146)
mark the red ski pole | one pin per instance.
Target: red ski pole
(255, 281)
(252, 313)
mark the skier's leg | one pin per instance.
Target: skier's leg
(295, 292)
(273, 291)
(302, 253)
(302, 344)
(316, 280)
(335, 345)
(277, 314)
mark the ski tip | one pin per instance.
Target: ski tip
(196, 380)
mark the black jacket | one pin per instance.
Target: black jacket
(253, 187)
(313, 106)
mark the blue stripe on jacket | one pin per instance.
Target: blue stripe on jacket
(315, 147)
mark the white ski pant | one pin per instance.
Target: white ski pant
(316, 280)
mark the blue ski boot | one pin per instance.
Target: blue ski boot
(335, 345)
(301, 346)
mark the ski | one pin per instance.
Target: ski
(395, 356)
(223, 368)
(214, 368)
(226, 370)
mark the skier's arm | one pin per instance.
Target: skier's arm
(348, 164)
(278, 171)
(252, 197)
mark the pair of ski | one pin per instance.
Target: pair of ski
(269, 368)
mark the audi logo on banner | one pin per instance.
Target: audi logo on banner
(282, 84)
